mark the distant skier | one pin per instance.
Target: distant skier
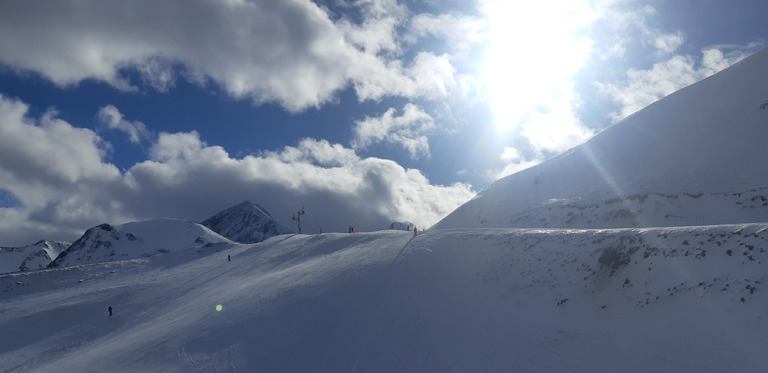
(229, 259)
(110, 310)
(414, 232)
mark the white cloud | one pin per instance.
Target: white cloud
(433, 76)
(338, 187)
(407, 130)
(287, 52)
(180, 145)
(57, 172)
(377, 33)
(666, 44)
(460, 33)
(112, 117)
(321, 152)
(624, 24)
(644, 87)
(48, 150)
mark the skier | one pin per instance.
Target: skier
(110, 310)
(228, 258)
(414, 232)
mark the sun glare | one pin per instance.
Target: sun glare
(534, 50)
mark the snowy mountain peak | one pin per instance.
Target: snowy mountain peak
(134, 240)
(26, 258)
(691, 158)
(246, 222)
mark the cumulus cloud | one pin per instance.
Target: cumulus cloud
(58, 174)
(287, 52)
(666, 44)
(623, 25)
(48, 150)
(316, 151)
(459, 32)
(644, 87)
(336, 186)
(377, 32)
(407, 130)
(112, 117)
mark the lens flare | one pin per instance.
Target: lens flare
(219, 307)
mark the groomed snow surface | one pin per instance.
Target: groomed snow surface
(686, 299)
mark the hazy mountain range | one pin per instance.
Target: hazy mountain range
(245, 223)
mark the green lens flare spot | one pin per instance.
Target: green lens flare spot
(218, 307)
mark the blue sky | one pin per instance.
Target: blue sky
(364, 112)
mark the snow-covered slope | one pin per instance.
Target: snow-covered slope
(245, 223)
(500, 300)
(695, 157)
(35, 256)
(135, 240)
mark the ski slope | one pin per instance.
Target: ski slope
(632, 300)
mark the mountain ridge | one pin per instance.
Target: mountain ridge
(687, 159)
(30, 257)
(246, 222)
(133, 240)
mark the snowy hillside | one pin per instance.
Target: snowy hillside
(245, 223)
(687, 299)
(35, 256)
(695, 157)
(136, 240)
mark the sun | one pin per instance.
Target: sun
(534, 48)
